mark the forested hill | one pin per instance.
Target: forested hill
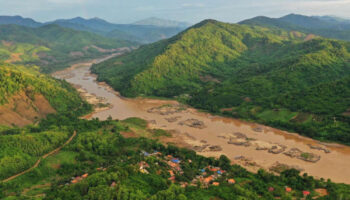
(52, 47)
(246, 71)
(26, 96)
(325, 26)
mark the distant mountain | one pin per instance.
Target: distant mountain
(93, 25)
(324, 26)
(333, 19)
(18, 20)
(132, 32)
(253, 72)
(153, 21)
(151, 30)
(316, 22)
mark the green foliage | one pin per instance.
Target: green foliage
(52, 47)
(268, 75)
(112, 164)
(62, 97)
(19, 152)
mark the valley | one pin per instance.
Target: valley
(251, 145)
(157, 109)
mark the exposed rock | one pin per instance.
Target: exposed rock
(194, 123)
(319, 148)
(258, 129)
(277, 149)
(240, 135)
(297, 153)
(173, 119)
(215, 148)
(167, 109)
(279, 167)
(200, 148)
(152, 122)
(239, 142)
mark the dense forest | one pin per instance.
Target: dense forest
(326, 26)
(53, 47)
(102, 164)
(268, 75)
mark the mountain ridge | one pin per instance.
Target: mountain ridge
(214, 65)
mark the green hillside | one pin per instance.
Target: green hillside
(61, 96)
(244, 71)
(323, 26)
(52, 47)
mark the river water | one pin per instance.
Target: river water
(334, 165)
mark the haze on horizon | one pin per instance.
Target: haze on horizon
(121, 11)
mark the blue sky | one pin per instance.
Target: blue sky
(125, 11)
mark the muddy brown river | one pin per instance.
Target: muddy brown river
(251, 145)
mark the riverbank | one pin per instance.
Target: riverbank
(248, 144)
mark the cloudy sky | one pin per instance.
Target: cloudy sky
(125, 11)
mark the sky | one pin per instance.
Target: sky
(193, 11)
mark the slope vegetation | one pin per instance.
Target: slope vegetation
(27, 96)
(52, 47)
(249, 72)
(324, 26)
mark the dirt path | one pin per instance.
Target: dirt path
(41, 158)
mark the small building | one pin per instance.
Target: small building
(216, 183)
(306, 193)
(231, 181)
(174, 160)
(288, 189)
(113, 184)
(271, 189)
(85, 175)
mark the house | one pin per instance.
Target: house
(172, 179)
(306, 193)
(85, 175)
(288, 189)
(216, 183)
(174, 160)
(171, 172)
(113, 184)
(76, 180)
(271, 189)
(208, 179)
(231, 181)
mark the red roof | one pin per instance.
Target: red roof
(271, 189)
(305, 193)
(216, 183)
(208, 179)
(288, 189)
(231, 181)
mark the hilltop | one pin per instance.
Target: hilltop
(53, 47)
(326, 26)
(139, 32)
(153, 21)
(244, 71)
